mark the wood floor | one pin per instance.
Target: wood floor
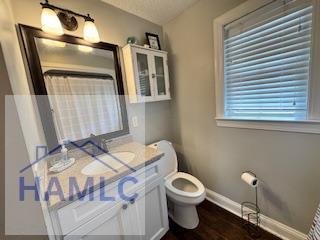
(215, 223)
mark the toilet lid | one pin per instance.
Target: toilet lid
(168, 163)
(189, 186)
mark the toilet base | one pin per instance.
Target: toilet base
(184, 215)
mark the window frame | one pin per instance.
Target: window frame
(312, 124)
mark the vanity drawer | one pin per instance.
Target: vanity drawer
(79, 212)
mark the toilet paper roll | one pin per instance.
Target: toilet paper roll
(250, 179)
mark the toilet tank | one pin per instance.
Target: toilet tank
(168, 163)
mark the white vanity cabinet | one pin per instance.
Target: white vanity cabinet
(109, 223)
(144, 218)
(147, 74)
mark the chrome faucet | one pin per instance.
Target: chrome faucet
(103, 143)
(94, 150)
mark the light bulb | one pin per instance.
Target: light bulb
(90, 32)
(50, 22)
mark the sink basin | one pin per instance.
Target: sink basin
(107, 163)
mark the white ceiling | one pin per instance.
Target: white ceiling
(156, 11)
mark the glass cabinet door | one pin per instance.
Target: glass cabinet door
(143, 75)
(161, 76)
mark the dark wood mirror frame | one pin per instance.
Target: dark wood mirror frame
(28, 35)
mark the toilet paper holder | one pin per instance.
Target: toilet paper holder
(250, 212)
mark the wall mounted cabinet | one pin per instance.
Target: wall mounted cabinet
(147, 74)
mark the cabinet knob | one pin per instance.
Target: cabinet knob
(153, 75)
(124, 206)
(132, 200)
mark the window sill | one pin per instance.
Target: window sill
(284, 126)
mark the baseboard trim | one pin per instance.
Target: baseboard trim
(270, 225)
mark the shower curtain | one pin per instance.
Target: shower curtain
(315, 229)
(82, 106)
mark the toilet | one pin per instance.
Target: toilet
(184, 191)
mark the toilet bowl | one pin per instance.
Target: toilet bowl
(183, 190)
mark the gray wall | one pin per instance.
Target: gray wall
(16, 140)
(288, 163)
(114, 26)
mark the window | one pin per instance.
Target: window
(264, 53)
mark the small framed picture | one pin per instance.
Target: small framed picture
(153, 41)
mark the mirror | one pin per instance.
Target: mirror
(82, 90)
(83, 87)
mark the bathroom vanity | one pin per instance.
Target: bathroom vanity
(144, 217)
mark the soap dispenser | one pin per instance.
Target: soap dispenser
(64, 161)
(64, 151)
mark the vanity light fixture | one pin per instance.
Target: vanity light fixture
(54, 19)
(50, 22)
(90, 32)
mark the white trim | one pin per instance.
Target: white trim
(284, 126)
(270, 225)
(312, 126)
(314, 106)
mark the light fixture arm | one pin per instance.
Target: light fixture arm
(46, 4)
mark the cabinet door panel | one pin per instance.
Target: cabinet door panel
(109, 225)
(143, 75)
(156, 213)
(150, 211)
(161, 76)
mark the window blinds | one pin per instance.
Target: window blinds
(267, 64)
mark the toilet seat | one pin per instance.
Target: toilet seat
(187, 179)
